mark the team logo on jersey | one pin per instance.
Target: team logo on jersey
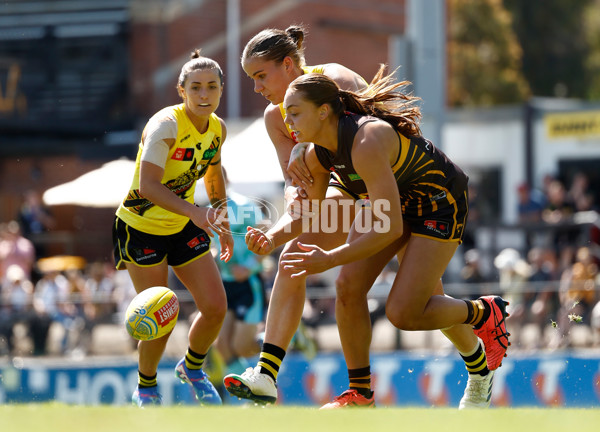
(437, 226)
(354, 177)
(183, 154)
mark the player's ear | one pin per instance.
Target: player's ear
(288, 63)
(324, 111)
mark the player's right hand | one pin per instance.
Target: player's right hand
(258, 242)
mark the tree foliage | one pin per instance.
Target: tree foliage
(484, 56)
(556, 45)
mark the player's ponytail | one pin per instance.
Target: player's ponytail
(382, 98)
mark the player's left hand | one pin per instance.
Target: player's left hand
(312, 260)
(297, 168)
(226, 241)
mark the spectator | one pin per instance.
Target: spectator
(15, 249)
(100, 286)
(579, 193)
(53, 297)
(16, 295)
(530, 206)
(34, 219)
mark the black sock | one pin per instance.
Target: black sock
(360, 380)
(270, 360)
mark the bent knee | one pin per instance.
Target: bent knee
(403, 318)
(347, 289)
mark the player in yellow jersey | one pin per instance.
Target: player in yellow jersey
(158, 225)
(273, 59)
(417, 208)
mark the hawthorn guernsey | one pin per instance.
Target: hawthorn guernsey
(152, 313)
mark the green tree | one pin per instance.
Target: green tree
(484, 56)
(592, 63)
(555, 45)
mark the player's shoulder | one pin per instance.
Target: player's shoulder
(374, 135)
(345, 77)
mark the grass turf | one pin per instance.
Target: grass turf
(53, 417)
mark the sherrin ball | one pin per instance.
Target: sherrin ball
(152, 313)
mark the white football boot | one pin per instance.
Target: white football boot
(478, 393)
(253, 385)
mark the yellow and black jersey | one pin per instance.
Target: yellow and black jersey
(187, 161)
(427, 180)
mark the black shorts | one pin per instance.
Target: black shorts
(445, 224)
(147, 250)
(247, 299)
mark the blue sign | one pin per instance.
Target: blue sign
(561, 379)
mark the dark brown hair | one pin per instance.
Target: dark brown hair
(198, 62)
(275, 45)
(382, 98)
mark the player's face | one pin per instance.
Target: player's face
(302, 116)
(270, 78)
(202, 92)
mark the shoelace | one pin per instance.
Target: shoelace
(499, 333)
(477, 388)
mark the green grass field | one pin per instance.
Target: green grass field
(63, 418)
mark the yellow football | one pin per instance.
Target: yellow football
(152, 313)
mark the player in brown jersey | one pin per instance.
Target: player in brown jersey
(417, 205)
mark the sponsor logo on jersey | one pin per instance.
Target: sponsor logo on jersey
(198, 241)
(354, 177)
(144, 254)
(208, 154)
(437, 226)
(184, 138)
(183, 154)
(439, 196)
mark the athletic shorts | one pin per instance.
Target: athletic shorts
(247, 299)
(445, 224)
(147, 250)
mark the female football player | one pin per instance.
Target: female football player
(158, 225)
(417, 202)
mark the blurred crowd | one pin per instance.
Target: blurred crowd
(551, 283)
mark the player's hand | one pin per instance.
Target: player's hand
(259, 242)
(211, 219)
(297, 168)
(312, 260)
(205, 218)
(226, 241)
